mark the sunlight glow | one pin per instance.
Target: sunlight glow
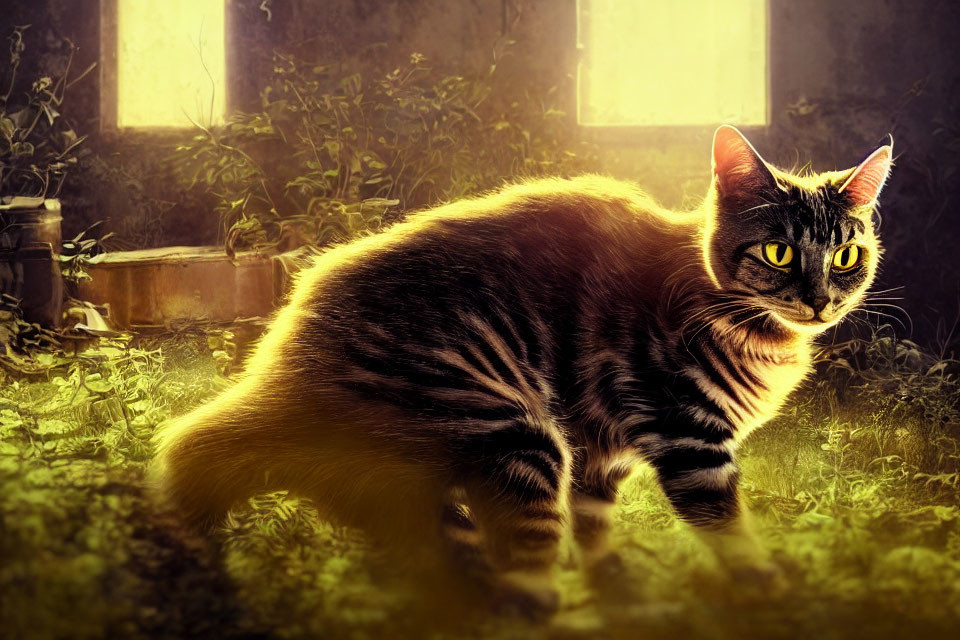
(683, 62)
(170, 63)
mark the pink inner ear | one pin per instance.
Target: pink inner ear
(735, 163)
(863, 187)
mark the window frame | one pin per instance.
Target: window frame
(612, 132)
(109, 96)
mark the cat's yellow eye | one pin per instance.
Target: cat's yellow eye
(846, 258)
(779, 254)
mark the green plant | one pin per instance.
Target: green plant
(336, 148)
(223, 349)
(36, 144)
(76, 253)
(865, 544)
(18, 338)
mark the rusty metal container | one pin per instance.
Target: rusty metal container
(169, 286)
(30, 257)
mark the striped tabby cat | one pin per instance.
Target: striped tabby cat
(484, 374)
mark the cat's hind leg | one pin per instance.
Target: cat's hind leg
(213, 457)
(517, 485)
(259, 435)
(462, 539)
(592, 503)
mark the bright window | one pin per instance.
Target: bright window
(170, 63)
(676, 62)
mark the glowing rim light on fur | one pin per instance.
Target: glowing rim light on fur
(170, 63)
(683, 62)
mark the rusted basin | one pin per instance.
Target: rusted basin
(168, 286)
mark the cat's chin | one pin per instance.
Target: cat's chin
(804, 326)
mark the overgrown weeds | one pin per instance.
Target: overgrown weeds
(336, 148)
(37, 145)
(854, 488)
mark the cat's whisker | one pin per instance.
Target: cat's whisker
(881, 314)
(853, 319)
(758, 314)
(718, 309)
(890, 290)
(759, 206)
(883, 304)
(707, 322)
(880, 324)
(870, 304)
(711, 314)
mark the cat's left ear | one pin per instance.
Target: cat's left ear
(863, 186)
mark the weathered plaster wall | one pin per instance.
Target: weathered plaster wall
(843, 75)
(847, 73)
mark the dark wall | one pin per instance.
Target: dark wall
(847, 73)
(843, 75)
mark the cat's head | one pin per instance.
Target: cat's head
(801, 247)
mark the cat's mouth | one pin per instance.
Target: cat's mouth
(802, 314)
(802, 325)
(811, 322)
(804, 318)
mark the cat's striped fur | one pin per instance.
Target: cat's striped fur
(485, 374)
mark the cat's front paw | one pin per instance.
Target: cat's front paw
(534, 597)
(610, 578)
(764, 577)
(607, 572)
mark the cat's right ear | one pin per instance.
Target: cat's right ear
(866, 180)
(738, 170)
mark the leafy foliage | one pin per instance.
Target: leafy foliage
(19, 337)
(853, 486)
(36, 145)
(74, 440)
(911, 399)
(336, 148)
(75, 253)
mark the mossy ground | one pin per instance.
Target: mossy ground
(855, 490)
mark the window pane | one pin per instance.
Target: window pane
(682, 62)
(170, 62)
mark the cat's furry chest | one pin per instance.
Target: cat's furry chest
(782, 376)
(747, 377)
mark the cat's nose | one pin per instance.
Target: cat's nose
(818, 304)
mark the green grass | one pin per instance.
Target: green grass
(855, 490)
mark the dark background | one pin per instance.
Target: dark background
(843, 75)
